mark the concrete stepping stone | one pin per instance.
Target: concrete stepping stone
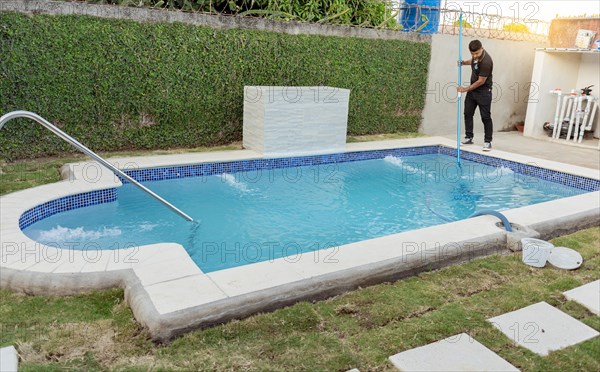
(588, 295)
(542, 328)
(456, 353)
(9, 362)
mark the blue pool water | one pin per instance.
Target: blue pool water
(259, 215)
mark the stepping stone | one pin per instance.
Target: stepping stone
(456, 353)
(9, 361)
(542, 328)
(588, 295)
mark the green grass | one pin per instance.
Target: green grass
(359, 329)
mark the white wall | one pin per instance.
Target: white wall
(551, 70)
(589, 74)
(513, 65)
(565, 70)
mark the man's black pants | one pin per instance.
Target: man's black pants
(483, 99)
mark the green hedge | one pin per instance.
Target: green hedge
(118, 85)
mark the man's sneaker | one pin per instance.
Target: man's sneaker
(467, 141)
(487, 146)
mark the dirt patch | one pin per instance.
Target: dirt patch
(67, 341)
(347, 309)
(489, 280)
(28, 353)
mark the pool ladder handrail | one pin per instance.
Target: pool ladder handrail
(73, 142)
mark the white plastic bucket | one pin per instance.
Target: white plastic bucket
(536, 251)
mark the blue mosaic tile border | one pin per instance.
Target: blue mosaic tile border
(582, 183)
(209, 169)
(66, 203)
(164, 173)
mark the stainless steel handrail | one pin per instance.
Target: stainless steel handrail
(35, 117)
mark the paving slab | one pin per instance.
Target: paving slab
(544, 148)
(166, 271)
(182, 293)
(456, 353)
(250, 278)
(542, 328)
(588, 295)
(9, 362)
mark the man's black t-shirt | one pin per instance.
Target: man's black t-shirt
(483, 67)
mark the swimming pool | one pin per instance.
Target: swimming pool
(170, 295)
(288, 207)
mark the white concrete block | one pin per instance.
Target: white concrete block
(157, 272)
(11, 251)
(161, 252)
(30, 254)
(254, 277)
(73, 264)
(9, 361)
(588, 295)
(456, 353)
(50, 263)
(96, 260)
(542, 328)
(295, 120)
(121, 259)
(183, 293)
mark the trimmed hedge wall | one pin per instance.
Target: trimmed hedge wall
(117, 85)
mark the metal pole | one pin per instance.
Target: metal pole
(460, 21)
(35, 117)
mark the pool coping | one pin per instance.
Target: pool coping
(170, 295)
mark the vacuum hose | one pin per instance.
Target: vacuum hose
(502, 217)
(507, 225)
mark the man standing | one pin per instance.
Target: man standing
(479, 93)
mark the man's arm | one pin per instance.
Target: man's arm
(475, 85)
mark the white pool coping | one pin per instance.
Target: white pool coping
(169, 294)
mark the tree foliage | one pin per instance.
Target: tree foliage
(366, 13)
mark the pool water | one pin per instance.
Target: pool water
(262, 215)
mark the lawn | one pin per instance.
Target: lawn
(358, 329)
